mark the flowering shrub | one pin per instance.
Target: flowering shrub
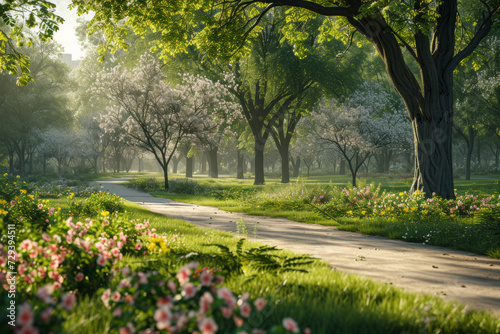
(192, 300)
(74, 256)
(96, 203)
(369, 201)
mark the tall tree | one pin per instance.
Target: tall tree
(426, 30)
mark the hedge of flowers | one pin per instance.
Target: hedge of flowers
(59, 259)
(371, 201)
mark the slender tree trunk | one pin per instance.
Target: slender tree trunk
(213, 163)
(165, 175)
(285, 165)
(189, 167)
(240, 163)
(470, 149)
(296, 167)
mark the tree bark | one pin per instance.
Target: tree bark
(213, 169)
(189, 167)
(239, 165)
(259, 162)
(285, 165)
(165, 176)
(296, 166)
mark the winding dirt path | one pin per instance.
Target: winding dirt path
(468, 278)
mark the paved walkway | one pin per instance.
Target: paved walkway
(466, 277)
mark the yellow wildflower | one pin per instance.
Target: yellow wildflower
(151, 246)
(105, 213)
(3, 212)
(5, 175)
(18, 177)
(363, 212)
(406, 209)
(401, 194)
(425, 212)
(415, 208)
(382, 213)
(349, 212)
(417, 192)
(31, 196)
(2, 201)
(23, 191)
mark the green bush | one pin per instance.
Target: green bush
(97, 203)
(489, 219)
(146, 184)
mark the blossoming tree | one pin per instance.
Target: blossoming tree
(353, 131)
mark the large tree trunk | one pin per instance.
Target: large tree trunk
(240, 162)
(433, 171)
(296, 166)
(213, 169)
(259, 162)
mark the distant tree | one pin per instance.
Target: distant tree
(353, 131)
(24, 110)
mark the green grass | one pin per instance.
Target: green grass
(323, 299)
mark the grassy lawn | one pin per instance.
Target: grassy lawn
(321, 299)
(275, 199)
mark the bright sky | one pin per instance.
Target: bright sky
(66, 33)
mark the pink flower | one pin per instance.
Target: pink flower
(25, 316)
(205, 301)
(208, 326)
(46, 237)
(115, 296)
(290, 325)
(206, 278)
(28, 330)
(162, 317)
(227, 295)
(115, 251)
(307, 331)
(259, 303)
(40, 206)
(188, 290)
(68, 238)
(68, 301)
(238, 321)
(26, 244)
(79, 277)
(101, 260)
(167, 300)
(172, 286)
(45, 315)
(138, 246)
(183, 275)
(105, 297)
(226, 312)
(126, 271)
(245, 309)
(117, 312)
